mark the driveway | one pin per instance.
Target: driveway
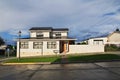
(79, 71)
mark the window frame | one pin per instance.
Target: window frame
(51, 45)
(97, 42)
(38, 44)
(58, 34)
(39, 35)
(24, 45)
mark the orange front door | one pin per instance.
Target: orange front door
(65, 47)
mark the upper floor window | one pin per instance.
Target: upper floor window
(37, 45)
(58, 34)
(24, 45)
(39, 35)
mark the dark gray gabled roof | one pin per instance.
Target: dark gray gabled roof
(49, 28)
(41, 28)
(60, 29)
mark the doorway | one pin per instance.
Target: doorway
(64, 46)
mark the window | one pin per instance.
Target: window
(24, 45)
(98, 42)
(39, 35)
(51, 45)
(37, 45)
(58, 35)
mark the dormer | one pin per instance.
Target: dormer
(40, 32)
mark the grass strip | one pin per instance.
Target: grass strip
(94, 57)
(70, 58)
(34, 59)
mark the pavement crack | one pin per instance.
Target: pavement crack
(33, 73)
(107, 69)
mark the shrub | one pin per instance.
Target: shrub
(112, 47)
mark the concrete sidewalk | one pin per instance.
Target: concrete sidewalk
(6, 58)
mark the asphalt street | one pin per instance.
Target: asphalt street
(78, 71)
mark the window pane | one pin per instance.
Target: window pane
(39, 35)
(24, 45)
(51, 45)
(37, 45)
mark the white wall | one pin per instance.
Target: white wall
(28, 52)
(63, 33)
(85, 48)
(91, 41)
(115, 37)
(50, 51)
(32, 34)
(36, 52)
(44, 51)
(45, 34)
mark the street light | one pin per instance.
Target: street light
(19, 34)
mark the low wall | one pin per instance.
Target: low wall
(85, 48)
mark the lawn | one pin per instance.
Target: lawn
(97, 57)
(34, 59)
(70, 58)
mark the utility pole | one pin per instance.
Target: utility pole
(19, 34)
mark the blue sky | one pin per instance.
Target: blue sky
(84, 18)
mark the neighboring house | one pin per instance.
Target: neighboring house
(3, 47)
(113, 38)
(97, 41)
(45, 41)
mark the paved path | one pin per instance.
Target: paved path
(81, 71)
(64, 59)
(5, 58)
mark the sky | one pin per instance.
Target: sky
(84, 18)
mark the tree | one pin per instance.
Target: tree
(1, 41)
(117, 29)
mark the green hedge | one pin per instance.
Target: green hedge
(112, 47)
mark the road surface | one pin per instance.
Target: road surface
(78, 71)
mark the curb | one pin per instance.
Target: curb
(48, 63)
(41, 63)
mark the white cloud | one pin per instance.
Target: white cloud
(81, 16)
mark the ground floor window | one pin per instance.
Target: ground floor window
(98, 42)
(37, 45)
(24, 45)
(51, 45)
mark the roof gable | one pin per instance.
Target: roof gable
(113, 33)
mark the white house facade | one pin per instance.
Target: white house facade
(97, 41)
(50, 41)
(44, 41)
(113, 38)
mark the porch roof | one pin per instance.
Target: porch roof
(49, 39)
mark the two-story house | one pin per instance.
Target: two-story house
(44, 41)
